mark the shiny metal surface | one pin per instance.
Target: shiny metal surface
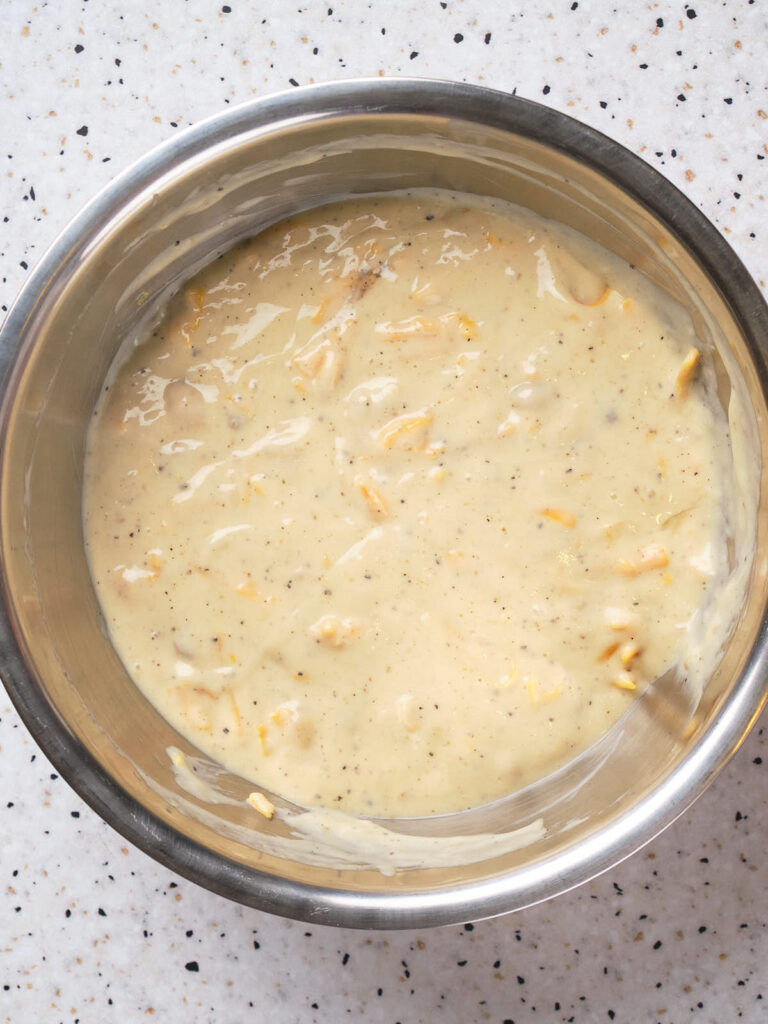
(105, 276)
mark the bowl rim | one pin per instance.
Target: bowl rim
(518, 888)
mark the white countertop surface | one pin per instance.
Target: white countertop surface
(91, 930)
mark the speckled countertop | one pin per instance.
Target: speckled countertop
(91, 930)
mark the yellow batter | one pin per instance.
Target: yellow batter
(401, 505)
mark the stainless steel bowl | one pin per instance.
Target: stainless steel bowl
(149, 230)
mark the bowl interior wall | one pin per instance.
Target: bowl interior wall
(120, 279)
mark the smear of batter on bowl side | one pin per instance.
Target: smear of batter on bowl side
(405, 500)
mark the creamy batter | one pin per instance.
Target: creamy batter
(405, 500)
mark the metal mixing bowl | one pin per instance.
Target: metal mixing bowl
(194, 197)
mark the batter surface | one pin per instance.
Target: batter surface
(405, 500)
